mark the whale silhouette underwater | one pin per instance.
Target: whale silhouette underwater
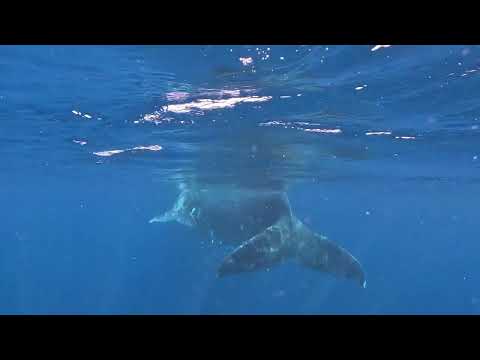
(262, 226)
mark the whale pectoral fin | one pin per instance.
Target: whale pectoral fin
(319, 253)
(261, 251)
(166, 217)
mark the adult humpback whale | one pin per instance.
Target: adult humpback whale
(261, 224)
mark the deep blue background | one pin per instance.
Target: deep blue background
(74, 227)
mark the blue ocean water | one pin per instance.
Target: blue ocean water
(376, 145)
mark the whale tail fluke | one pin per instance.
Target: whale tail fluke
(285, 240)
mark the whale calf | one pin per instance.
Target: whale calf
(262, 227)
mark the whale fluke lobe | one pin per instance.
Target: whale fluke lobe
(265, 249)
(317, 252)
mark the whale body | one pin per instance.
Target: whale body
(262, 227)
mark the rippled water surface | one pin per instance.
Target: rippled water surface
(376, 146)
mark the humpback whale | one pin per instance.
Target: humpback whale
(261, 226)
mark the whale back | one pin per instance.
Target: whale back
(230, 214)
(236, 216)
